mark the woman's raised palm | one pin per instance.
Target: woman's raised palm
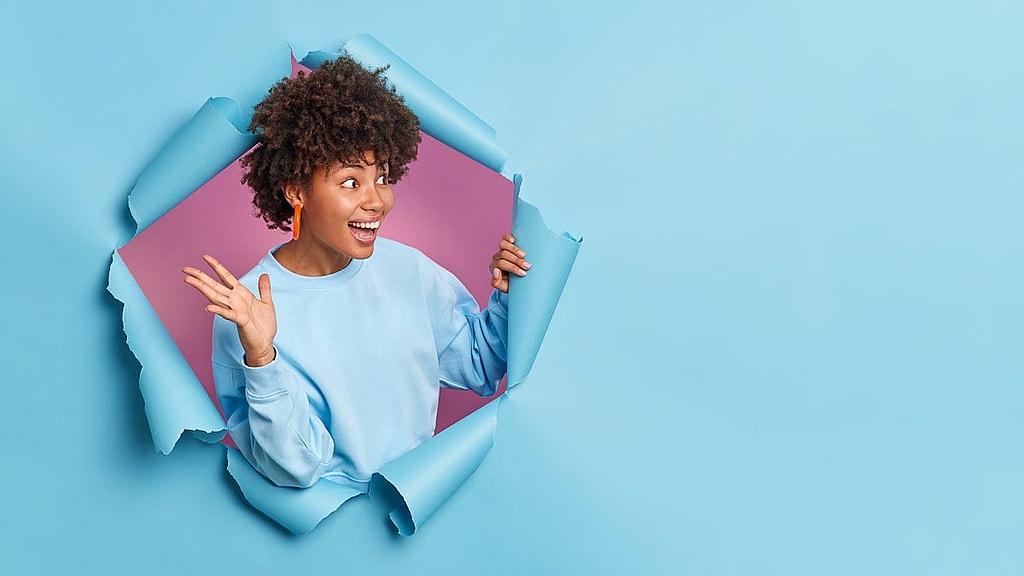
(254, 317)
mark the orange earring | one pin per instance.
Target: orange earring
(296, 219)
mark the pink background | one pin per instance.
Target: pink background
(448, 206)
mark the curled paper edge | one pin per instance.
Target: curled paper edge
(412, 487)
(426, 477)
(175, 401)
(174, 398)
(441, 115)
(213, 138)
(532, 299)
(297, 509)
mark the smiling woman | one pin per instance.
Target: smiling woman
(334, 369)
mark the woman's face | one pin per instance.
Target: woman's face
(343, 208)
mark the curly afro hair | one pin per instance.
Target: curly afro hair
(335, 113)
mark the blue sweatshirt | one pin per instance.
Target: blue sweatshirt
(361, 354)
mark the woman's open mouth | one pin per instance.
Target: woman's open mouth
(364, 232)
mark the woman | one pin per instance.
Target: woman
(335, 371)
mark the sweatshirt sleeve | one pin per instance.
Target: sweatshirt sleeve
(472, 344)
(268, 415)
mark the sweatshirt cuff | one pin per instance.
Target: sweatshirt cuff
(268, 380)
(498, 299)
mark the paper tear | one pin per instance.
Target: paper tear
(297, 509)
(427, 476)
(532, 299)
(441, 116)
(419, 482)
(170, 409)
(208, 142)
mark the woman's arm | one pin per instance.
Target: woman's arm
(268, 415)
(474, 351)
(270, 418)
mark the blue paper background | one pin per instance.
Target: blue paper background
(791, 344)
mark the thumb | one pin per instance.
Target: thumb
(264, 286)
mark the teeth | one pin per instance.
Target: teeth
(367, 225)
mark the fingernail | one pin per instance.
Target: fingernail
(526, 265)
(521, 253)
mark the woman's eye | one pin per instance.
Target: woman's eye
(382, 179)
(349, 183)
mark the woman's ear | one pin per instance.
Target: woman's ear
(293, 193)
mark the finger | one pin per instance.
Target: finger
(512, 257)
(509, 246)
(205, 279)
(510, 267)
(225, 313)
(203, 288)
(226, 276)
(264, 286)
(208, 292)
(499, 280)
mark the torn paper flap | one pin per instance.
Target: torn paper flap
(441, 116)
(532, 299)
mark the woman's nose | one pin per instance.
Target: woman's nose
(373, 200)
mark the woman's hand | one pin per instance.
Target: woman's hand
(509, 259)
(254, 317)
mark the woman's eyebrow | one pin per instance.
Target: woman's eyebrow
(342, 166)
(358, 164)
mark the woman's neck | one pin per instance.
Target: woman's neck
(305, 260)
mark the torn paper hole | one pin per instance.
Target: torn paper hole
(169, 331)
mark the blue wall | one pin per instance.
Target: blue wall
(791, 343)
